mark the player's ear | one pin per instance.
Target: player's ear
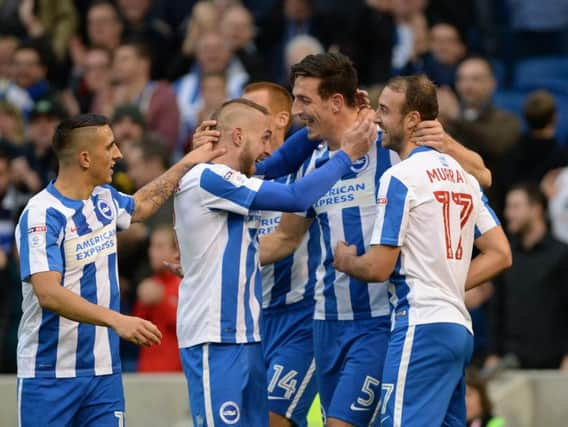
(237, 136)
(84, 159)
(282, 119)
(411, 120)
(337, 102)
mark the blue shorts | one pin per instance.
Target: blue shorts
(289, 353)
(423, 379)
(227, 384)
(75, 402)
(349, 357)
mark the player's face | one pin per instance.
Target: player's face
(256, 145)
(310, 108)
(519, 213)
(162, 248)
(390, 118)
(104, 155)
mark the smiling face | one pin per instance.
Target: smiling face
(389, 117)
(310, 108)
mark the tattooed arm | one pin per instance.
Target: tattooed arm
(153, 195)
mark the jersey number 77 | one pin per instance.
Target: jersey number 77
(463, 200)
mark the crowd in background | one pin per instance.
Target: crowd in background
(158, 68)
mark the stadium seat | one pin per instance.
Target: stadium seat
(511, 101)
(541, 68)
(556, 86)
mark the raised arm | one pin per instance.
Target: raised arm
(153, 195)
(289, 157)
(431, 133)
(54, 297)
(284, 240)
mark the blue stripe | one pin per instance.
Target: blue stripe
(314, 258)
(24, 248)
(329, 277)
(114, 341)
(124, 201)
(104, 220)
(394, 212)
(489, 208)
(230, 277)
(48, 337)
(402, 289)
(220, 187)
(251, 266)
(55, 222)
(359, 290)
(383, 163)
(477, 232)
(85, 363)
(282, 281)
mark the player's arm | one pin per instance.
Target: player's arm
(152, 196)
(299, 196)
(284, 240)
(54, 297)
(432, 134)
(495, 256)
(375, 265)
(288, 157)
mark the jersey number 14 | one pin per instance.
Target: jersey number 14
(463, 200)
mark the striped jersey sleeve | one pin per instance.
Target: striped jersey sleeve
(39, 234)
(124, 207)
(227, 189)
(487, 219)
(393, 205)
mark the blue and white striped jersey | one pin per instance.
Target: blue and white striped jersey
(292, 279)
(347, 212)
(221, 291)
(433, 210)
(76, 238)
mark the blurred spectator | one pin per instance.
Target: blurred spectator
(9, 288)
(213, 56)
(156, 100)
(154, 33)
(539, 150)
(237, 27)
(11, 126)
(446, 50)
(530, 305)
(9, 91)
(298, 48)
(54, 20)
(479, 125)
(368, 40)
(555, 187)
(91, 92)
(213, 92)
(288, 19)
(157, 302)
(30, 68)
(38, 164)
(223, 5)
(479, 410)
(407, 15)
(104, 26)
(8, 45)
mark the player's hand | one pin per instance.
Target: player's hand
(359, 138)
(173, 268)
(205, 133)
(204, 153)
(342, 256)
(431, 134)
(150, 292)
(137, 330)
(362, 99)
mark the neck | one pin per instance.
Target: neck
(534, 234)
(230, 158)
(342, 121)
(545, 133)
(405, 149)
(73, 185)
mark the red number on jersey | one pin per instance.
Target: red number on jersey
(466, 202)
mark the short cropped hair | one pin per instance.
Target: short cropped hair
(237, 101)
(420, 95)
(278, 97)
(63, 137)
(336, 71)
(539, 109)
